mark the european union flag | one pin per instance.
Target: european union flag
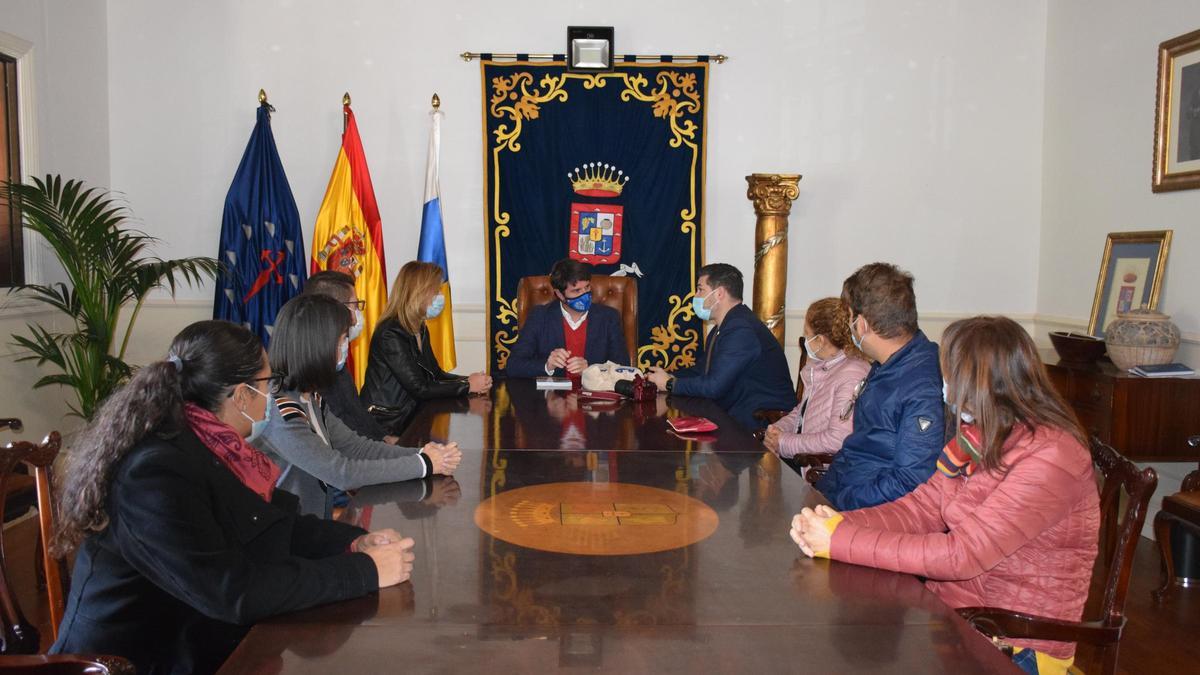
(262, 247)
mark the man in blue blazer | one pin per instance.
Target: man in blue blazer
(742, 366)
(564, 337)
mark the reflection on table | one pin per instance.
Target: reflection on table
(739, 598)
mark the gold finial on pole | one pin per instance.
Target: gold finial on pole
(346, 98)
(262, 96)
(437, 102)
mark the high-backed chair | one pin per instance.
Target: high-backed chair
(20, 637)
(620, 293)
(1181, 508)
(1104, 632)
(74, 664)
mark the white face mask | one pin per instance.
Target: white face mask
(808, 348)
(357, 328)
(343, 354)
(965, 416)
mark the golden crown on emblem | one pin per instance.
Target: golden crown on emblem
(595, 179)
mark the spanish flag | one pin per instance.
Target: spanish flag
(348, 237)
(432, 248)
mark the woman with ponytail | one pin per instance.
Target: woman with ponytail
(182, 540)
(835, 367)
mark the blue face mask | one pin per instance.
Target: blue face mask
(436, 307)
(257, 427)
(343, 354)
(857, 340)
(703, 313)
(581, 303)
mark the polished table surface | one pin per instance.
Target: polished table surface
(573, 482)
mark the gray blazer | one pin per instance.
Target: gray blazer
(315, 449)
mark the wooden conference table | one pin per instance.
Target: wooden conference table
(586, 535)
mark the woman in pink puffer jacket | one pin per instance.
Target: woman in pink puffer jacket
(835, 367)
(1011, 517)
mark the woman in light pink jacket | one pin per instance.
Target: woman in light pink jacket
(835, 368)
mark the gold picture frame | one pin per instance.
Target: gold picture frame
(1140, 258)
(1177, 115)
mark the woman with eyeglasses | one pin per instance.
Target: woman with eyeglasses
(181, 539)
(318, 454)
(1011, 516)
(825, 415)
(402, 369)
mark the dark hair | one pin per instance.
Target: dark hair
(304, 344)
(567, 271)
(993, 372)
(883, 293)
(722, 275)
(829, 317)
(337, 285)
(213, 356)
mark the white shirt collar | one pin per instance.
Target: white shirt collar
(572, 322)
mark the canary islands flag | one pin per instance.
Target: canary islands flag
(433, 249)
(262, 246)
(348, 237)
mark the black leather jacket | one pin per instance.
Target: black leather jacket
(400, 374)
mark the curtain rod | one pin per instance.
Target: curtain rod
(620, 58)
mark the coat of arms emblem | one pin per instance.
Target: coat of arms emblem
(595, 235)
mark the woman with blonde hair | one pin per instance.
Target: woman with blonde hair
(1011, 516)
(824, 417)
(401, 368)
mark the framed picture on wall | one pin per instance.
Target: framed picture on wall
(1177, 115)
(1131, 275)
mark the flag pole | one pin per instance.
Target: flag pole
(345, 115)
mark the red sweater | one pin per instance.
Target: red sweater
(576, 340)
(1025, 540)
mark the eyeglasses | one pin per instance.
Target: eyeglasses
(274, 382)
(858, 390)
(360, 305)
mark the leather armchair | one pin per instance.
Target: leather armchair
(620, 293)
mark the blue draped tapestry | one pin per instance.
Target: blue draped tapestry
(607, 168)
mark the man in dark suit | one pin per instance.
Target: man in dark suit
(742, 366)
(565, 336)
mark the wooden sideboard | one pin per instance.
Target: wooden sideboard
(1147, 419)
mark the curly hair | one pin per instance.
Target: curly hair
(830, 317)
(206, 360)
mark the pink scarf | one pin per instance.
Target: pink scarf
(254, 469)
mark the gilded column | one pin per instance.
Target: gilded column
(772, 194)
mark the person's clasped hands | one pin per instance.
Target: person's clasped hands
(393, 555)
(812, 530)
(443, 456)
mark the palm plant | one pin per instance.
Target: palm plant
(107, 267)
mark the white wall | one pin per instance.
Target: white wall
(918, 127)
(70, 83)
(1101, 68)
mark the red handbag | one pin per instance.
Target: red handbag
(692, 425)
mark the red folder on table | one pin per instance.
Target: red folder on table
(692, 425)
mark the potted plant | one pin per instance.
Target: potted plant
(108, 266)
